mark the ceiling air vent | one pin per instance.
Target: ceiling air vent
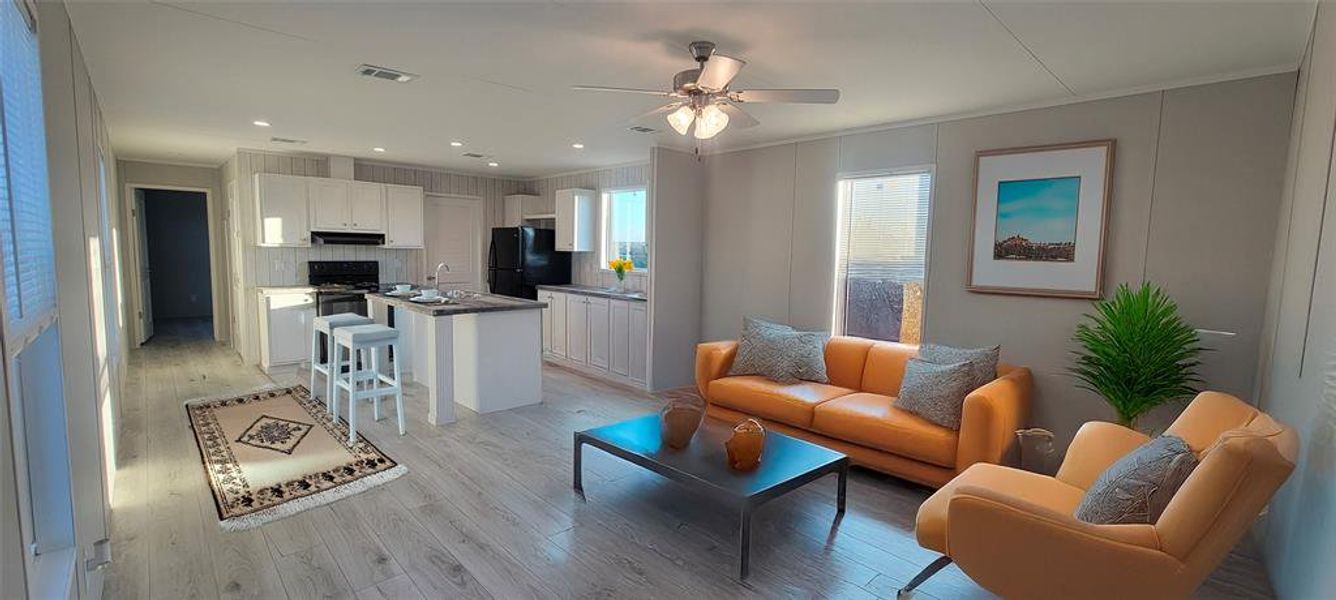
(283, 140)
(385, 73)
(642, 129)
(474, 155)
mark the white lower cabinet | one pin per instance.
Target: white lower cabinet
(285, 327)
(600, 336)
(597, 317)
(577, 328)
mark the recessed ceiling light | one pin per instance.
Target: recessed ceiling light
(377, 149)
(456, 144)
(578, 146)
(493, 164)
(261, 123)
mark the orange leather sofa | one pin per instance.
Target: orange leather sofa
(853, 413)
(1014, 531)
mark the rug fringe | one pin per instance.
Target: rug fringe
(287, 509)
(233, 394)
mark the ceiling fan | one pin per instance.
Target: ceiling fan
(704, 98)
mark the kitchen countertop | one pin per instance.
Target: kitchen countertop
(482, 303)
(589, 290)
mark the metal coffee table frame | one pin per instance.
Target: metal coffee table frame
(746, 501)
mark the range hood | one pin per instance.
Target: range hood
(345, 238)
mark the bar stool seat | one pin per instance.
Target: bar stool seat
(364, 381)
(323, 325)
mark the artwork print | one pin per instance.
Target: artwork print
(1036, 219)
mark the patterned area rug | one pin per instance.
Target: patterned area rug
(274, 452)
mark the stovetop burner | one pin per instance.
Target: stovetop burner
(334, 276)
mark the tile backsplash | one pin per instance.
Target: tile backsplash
(287, 266)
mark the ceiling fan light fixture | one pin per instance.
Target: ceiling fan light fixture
(681, 118)
(712, 121)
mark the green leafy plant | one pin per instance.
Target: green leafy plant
(1136, 352)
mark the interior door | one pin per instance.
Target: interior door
(454, 229)
(145, 315)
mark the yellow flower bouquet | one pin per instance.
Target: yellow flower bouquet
(621, 266)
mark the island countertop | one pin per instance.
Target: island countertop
(479, 303)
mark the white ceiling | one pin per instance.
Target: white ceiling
(183, 82)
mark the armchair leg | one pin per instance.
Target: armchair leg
(923, 575)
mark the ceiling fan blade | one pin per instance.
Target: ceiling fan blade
(662, 110)
(719, 70)
(600, 88)
(803, 96)
(738, 117)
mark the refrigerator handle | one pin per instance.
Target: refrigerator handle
(491, 255)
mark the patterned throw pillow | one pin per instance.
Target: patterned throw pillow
(983, 361)
(779, 352)
(1137, 487)
(936, 392)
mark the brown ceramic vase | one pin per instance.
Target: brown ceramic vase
(679, 422)
(744, 448)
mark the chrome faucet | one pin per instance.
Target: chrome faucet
(436, 279)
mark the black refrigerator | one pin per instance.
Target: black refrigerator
(523, 257)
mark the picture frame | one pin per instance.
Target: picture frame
(1040, 219)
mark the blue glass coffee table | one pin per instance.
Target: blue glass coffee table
(787, 463)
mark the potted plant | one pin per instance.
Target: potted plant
(1136, 352)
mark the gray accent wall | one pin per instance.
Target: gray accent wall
(1297, 373)
(177, 224)
(1196, 191)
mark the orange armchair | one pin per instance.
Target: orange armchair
(1014, 532)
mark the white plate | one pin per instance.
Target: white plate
(436, 300)
(398, 293)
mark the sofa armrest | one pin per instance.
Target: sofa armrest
(713, 360)
(1096, 446)
(1019, 549)
(990, 418)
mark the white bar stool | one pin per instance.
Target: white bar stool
(365, 342)
(323, 326)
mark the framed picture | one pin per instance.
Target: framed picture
(1040, 214)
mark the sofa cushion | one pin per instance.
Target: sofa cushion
(885, 367)
(871, 420)
(845, 358)
(789, 403)
(1040, 490)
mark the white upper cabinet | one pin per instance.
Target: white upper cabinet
(403, 216)
(281, 210)
(575, 220)
(366, 211)
(514, 209)
(329, 204)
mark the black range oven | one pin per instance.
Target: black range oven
(341, 285)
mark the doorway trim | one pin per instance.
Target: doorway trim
(132, 270)
(484, 235)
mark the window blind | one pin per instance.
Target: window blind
(25, 206)
(883, 245)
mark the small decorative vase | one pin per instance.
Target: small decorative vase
(679, 421)
(621, 285)
(744, 448)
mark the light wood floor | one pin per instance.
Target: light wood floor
(487, 511)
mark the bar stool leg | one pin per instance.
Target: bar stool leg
(315, 357)
(333, 366)
(332, 390)
(352, 397)
(375, 382)
(398, 388)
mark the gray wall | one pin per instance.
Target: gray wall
(1196, 187)
(676, 196)
(1297, 373)
(177, 224)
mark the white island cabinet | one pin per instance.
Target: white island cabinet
(483, 353)
(597, 332)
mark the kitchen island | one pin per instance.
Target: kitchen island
(483, 351)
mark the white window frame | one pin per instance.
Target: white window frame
(841, 203)
(605, 218)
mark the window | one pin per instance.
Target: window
(624, 216)
(881, 254)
